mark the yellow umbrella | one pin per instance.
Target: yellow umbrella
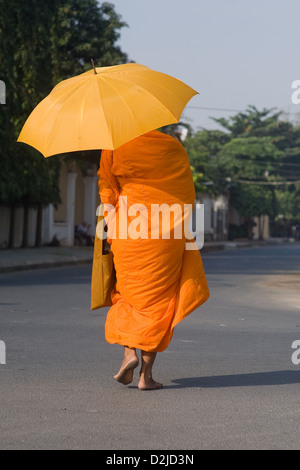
(104, 108)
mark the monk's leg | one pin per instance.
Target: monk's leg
(130, 362)
(146, 381)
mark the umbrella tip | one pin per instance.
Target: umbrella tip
(93, 64)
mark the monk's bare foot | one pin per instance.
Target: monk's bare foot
(125, 374)
(148, 384)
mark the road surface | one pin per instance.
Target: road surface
(229, 379)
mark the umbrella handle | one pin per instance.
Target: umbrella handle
(93, 64)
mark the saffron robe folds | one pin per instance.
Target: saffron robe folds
(159, 282)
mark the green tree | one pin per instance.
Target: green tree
(41, 44)
(81, 30)
(252, 122)
(254, 201)
(253, 147)
(249, 163)
(203, 148)
(285, 137)
(289, 202)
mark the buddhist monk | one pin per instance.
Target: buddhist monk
(159, 281)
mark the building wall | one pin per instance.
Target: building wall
(215, 217)
(60, 214)
(265, 226)
(79, 199)
(4, 226)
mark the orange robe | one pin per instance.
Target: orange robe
(159, 282)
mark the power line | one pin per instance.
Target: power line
(267, 183)
(216, 109)
(268, 163)
(206, 108)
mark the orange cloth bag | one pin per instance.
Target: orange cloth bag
(103, 274)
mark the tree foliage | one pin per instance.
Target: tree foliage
(203, 148)
(41, 44)
(254, 152)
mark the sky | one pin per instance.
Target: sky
(235, 53)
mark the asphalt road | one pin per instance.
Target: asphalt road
(229, 379)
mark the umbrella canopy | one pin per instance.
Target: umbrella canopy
(105, 108)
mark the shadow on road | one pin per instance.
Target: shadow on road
(281, 377)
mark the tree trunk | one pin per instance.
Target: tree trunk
(25, 227)
(39, 220)
(12, 226)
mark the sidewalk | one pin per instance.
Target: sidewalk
(227, 245)
(20, 259)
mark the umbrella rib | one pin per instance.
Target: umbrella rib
(66, 92)
(123, 79)
(157, 99)
(101, 104)
(71, 94)
(122, 98)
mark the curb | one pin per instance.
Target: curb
(74, 262)
(44, 265)
(209, 248)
